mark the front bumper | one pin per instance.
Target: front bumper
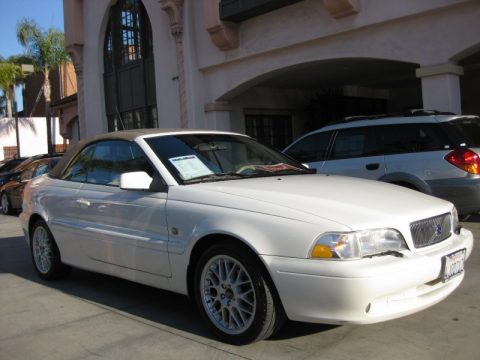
(367, 290)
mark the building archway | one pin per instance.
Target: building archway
(281, 105)
(129, 75)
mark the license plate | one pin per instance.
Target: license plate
(453, 264)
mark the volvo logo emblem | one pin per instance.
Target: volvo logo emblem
(438, 230)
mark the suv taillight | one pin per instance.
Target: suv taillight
(464, 159)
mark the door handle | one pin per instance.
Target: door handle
(83, 203)
(373, 166)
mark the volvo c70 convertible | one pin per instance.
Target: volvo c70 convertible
(252, 236)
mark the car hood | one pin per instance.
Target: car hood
(353, 202)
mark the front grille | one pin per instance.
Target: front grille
(431, 231)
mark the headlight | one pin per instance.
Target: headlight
(358, 244)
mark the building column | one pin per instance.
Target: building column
(76, 53)
(217, 115)
(174, 9)
(441, 87)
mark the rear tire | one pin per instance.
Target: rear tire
(6, 207)
(234, 295)
(45, 254)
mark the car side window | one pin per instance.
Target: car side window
(139, 161)
(113, 158)
(40, 170)
(410, 138)
(77, 170)
(354, 142)
(103, 162)
(311, 148)
(108, 161)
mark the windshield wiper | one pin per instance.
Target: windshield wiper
(215, 177)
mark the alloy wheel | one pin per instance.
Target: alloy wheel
(42, 248)
(228, 294)
(5, 204)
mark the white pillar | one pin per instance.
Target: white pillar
(441, 87)
(217, 116)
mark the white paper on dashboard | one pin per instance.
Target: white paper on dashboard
(190, 166)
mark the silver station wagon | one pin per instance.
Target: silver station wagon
(428, 151)
(249, 234)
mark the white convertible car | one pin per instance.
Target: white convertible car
(248, 233)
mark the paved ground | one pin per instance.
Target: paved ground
(89, 316)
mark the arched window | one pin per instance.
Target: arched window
(129, 75)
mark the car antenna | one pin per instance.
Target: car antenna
(120, 117)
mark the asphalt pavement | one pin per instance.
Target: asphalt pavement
(91, 316)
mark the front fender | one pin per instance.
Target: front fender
(264, 234)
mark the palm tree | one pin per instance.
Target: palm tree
(47, 51)
(10, 75)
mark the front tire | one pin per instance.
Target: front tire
(45, 253)
(234, 295)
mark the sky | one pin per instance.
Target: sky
(47, 13)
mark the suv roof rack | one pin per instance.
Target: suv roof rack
(408, 113)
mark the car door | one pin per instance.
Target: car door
(355, 152)
(16, 189)
(124, 228)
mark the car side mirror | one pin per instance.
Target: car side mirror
(137, 180)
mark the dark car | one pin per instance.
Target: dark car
(8, 165)
(11, 193)
(11, 173)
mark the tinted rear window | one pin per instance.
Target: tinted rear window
(465, 132)
(410, 138)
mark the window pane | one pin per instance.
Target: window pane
(128, 55)
(351, 143)
(271, 130)
(311, 148)
(139, 161)
(108, 162)
(216, 153)
(412, 138)
(77, 171)
(465, 131)
(130, 20)
(40, 170)
(113, 158)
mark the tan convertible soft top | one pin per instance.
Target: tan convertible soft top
(128, 135)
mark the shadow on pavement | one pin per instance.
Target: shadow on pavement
(125, 297)
(472, 218)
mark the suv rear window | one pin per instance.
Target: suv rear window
(464, 131)
(409, 138)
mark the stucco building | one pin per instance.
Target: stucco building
(273, 69)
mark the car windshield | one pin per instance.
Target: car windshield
(193, 158)
(466, 131)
